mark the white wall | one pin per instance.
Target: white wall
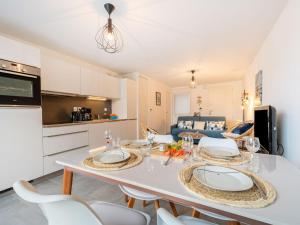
(220, 99)
(279, 58)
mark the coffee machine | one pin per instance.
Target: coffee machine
(81, 114)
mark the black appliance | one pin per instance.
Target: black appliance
(82, 114)
(19, 84)
(265, 128)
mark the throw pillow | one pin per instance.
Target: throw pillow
(185, 124)
(242, 128)
(188, 124)
(215, 125)
(180, 124)
(199, 125)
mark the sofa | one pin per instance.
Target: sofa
(175, 130)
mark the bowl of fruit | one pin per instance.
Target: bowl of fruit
(175, 149)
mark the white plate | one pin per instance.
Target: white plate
(221, 151)
(222, 178)
(112, 156)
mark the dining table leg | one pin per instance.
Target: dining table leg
(67, 181)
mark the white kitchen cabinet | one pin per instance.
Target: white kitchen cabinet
(50, 164)
(19, 52)
(21, 145)
(109, 86)
(65, 138)
(63, 141)
(96, 134)
(126, 106)
(59, 74)
(124, 129)
(90, 79)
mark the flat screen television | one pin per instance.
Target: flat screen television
(265, 128)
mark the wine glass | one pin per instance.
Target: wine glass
(252, 144)
(108, 139)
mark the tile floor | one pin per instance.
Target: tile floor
(14, 211)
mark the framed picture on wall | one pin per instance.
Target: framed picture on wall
(158, 98)
(258, 88)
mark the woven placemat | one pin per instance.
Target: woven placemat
(243, 158)
(134, 159)
(130, 146)
(252, 198)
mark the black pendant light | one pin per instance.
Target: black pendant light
(109, 37)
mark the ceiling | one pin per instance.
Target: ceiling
(162, 38)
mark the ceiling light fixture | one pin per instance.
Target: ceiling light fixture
(109, 37)
(193, 80)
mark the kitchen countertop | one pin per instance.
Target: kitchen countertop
(82, 122)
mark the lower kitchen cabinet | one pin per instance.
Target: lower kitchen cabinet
(50, 164)
(123, 129)
(62, 142)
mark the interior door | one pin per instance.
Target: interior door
(143, 104)
(156, 114)
(168, 110)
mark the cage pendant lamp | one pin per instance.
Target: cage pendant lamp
(109, 37)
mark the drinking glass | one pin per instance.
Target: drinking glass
(252, 144)
(186, 144)
(146, 151)
(116, 142)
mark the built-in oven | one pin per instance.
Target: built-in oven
(20, 85)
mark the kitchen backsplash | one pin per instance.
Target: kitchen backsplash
(58, 109)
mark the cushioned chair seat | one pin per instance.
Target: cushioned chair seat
(111, 214)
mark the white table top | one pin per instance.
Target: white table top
(163, 180)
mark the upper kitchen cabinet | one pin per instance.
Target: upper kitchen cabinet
(16, 51)
(90, 79)
(59, 74)
(109, 86)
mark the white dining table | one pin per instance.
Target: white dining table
(153, 177)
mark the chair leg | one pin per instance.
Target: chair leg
(131, 202)
(233, 223)
(126, 198)
(195, 214)
(156, 204)
(174, 210)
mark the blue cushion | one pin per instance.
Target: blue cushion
(242, 128)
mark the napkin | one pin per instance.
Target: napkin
(163, 139)
(228, 144)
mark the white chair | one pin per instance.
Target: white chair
(69, 210)
(165, 218)
(145, 197)
(198, 212)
